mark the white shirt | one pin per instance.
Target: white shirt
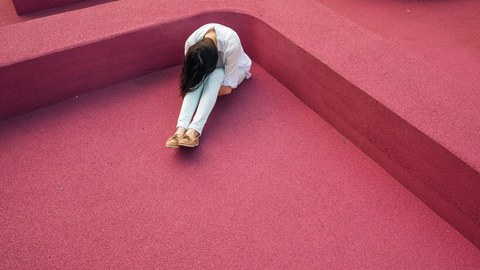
(230, 53)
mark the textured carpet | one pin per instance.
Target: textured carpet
(88, 184)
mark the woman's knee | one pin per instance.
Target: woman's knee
(218, 74)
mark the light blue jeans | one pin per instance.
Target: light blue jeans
(200, 102)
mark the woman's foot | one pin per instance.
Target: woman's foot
(224, 90)
(190, 139)
(172, 142)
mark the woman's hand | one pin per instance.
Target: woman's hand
(225, 90)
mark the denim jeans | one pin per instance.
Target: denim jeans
(200, 102)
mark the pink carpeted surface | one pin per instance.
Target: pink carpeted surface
(40, 9)
(27, 6)
(87, 184)
(372, 119)
(443, 33)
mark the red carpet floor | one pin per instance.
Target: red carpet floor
(88, 184)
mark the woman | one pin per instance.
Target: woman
(214, 65)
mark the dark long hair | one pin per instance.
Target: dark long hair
(200, 60)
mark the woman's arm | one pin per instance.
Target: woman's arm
(233, 54)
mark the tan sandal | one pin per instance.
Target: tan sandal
(172, 142)
(189, 142)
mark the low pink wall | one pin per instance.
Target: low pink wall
(26, 6)
(443, 181)
(51, 78)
